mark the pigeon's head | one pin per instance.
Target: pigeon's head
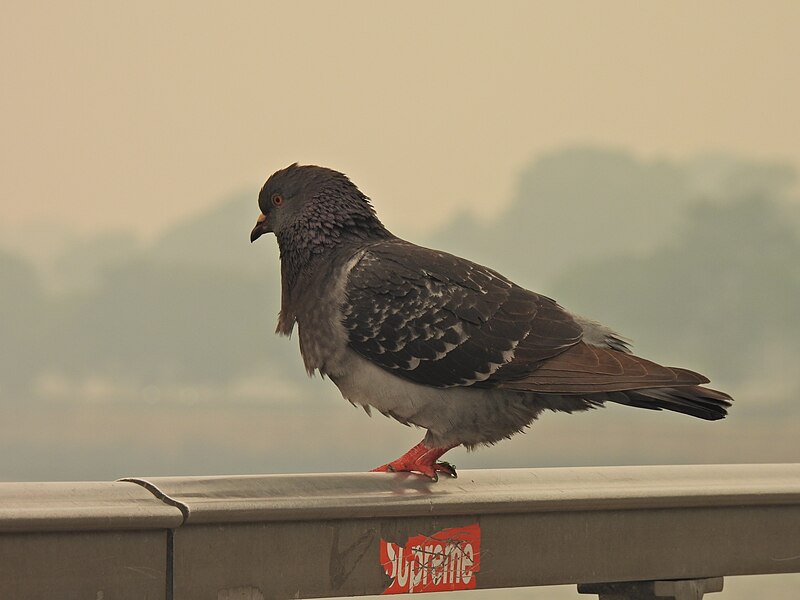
(315, 201)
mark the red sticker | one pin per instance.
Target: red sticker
(445, 561)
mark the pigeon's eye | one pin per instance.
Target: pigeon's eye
(277, 199)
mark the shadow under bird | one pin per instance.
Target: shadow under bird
(437, 341)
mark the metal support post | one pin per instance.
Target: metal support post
(675, 589)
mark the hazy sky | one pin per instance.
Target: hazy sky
(118, 114)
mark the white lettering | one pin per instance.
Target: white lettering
(436, 564)
(468, 562)
(390, 552)
(451, 563)
(402, 568)
(426, 558)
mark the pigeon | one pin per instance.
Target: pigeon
(437, 341)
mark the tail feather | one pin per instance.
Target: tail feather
(693, 400)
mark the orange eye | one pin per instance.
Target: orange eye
(277, 199)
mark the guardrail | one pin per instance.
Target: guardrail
(675, 530)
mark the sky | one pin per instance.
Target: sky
(136, 115)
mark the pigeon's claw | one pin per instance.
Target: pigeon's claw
(423, 460)
(431, 471)
(447, 468)
(387, 468)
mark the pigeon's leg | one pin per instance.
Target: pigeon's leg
(422, 459)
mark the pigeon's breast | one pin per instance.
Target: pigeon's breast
(323, 338)
(452, 416)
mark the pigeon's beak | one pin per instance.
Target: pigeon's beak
(260, 229)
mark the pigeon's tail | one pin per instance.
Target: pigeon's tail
(693, 400)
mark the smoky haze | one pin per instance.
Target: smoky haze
(123, 357)
(565, 144)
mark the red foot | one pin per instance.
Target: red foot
(423, 460)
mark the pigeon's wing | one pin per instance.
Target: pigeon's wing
(439, 320)
(585, 368)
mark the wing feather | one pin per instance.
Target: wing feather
(586, 369)
(443, 321)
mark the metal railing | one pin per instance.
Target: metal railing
(674, 530)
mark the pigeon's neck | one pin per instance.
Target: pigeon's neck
(309, 244)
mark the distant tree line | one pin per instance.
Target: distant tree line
(700, 271)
